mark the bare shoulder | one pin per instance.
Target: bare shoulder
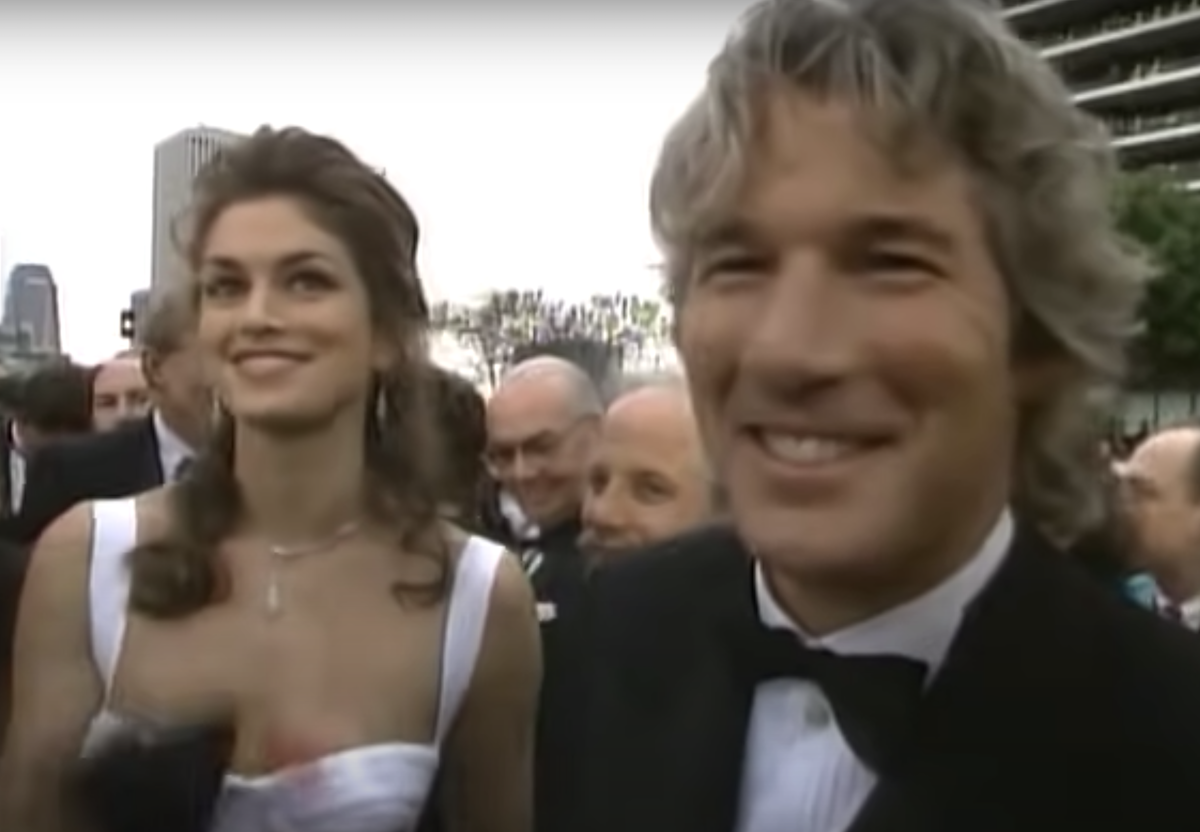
(511, 590)
(489, 777)
(61, 558)
(153, 513)
(510, 652)
(512, 595)
(54, 685)
(58, 566)
(512, 607)
(457, 539)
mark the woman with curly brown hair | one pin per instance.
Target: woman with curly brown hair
(298, 583)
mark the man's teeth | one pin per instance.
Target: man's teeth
(806, 450)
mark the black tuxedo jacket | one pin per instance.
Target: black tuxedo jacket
(117, 463)
(13, 563)
(1058, 706)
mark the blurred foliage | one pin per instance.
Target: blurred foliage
(603, 334)
(1164, 218)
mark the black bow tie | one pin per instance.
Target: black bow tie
(874, 698)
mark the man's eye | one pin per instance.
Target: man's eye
(890, 261)
(731, 266)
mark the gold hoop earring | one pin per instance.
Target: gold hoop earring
(217, 412)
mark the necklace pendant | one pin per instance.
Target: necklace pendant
(273, 601)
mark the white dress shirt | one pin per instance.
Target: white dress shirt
(172, 450)
(799, 773)
(1187, 612)
(521, 526)
(16, 468)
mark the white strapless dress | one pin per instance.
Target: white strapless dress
(374, 788)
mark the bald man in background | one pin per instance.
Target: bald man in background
(648, 479)
(543, 424)
(119, 391)
(1161, 489)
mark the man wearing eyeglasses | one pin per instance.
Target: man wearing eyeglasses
(543, 424)
(543, 428)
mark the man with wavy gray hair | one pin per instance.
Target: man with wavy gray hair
(897, 292)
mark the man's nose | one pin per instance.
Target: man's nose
(806, 329)
(603, 513)
(522, 467)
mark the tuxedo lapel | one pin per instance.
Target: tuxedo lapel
(992, 721)
(714, 715)
(682, 710)
(697, 759)
(149, 471)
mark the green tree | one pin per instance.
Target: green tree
(1154, 211)
(601, 334)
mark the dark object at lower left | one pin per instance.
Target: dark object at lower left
(153, 779)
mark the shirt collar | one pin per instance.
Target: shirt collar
(172, 450)
(15, 443)
(921, 629)
(521, 526)
(1188, 611)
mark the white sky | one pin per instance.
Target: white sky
(523, 136)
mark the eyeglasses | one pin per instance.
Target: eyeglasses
(535, 450)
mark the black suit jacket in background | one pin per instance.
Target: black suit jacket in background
(13, 563)
(556, 568)
(558, 572)
(1058, 707)
(117, 463)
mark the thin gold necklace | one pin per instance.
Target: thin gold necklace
(283, 554)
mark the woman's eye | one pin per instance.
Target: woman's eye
(309, 281)
(220, 286)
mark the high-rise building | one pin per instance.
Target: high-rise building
(177, 160)
(1133, 63)
(31, 309)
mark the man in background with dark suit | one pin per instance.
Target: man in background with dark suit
(543, 423)
(140, 454)
(131, 458)
(13, 562)
(119, 390)
(897, 292)
(1161, 503)
(49, 406)
(53, 404)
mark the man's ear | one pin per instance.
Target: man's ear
(152, 368)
